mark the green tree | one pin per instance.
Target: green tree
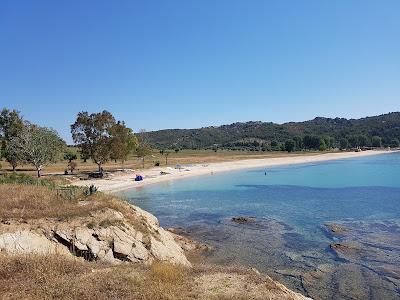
(311, 142)
(275, 146)
(298, 140)
(376, 141)
(322, 145)
(144, 148)
(353, 141)
(70, 156)
(123, 141)
(344, 143)
(362, 140)
(84, 155)
(331, 142)
(290, 145)
(142, 151)
(39, 146)
(92, 134)
(394, 143)
(13, 154)
(11, 125)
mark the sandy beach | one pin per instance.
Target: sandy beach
(123, 181)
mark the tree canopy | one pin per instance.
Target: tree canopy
(11, 125)
(123, 141)
(144, 148)
(92, 134)
(101, 138)
(38, 146)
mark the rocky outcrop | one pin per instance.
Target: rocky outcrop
(24, 242)
(186, 243)
(104, 236)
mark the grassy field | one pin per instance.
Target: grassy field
(181, 157)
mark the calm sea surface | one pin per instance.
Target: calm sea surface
(290, 238)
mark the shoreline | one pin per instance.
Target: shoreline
(118, 183)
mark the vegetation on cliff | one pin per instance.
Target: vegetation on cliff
(317, 134)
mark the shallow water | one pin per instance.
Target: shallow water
(292, 205)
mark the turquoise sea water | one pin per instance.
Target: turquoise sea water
(292, 205)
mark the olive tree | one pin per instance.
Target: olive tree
(38, 146)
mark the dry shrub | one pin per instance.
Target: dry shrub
(33, 202)
(37, 202)
(37, 277)
(52, 277)
(167, 272)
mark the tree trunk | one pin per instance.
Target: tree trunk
(99, 167)
(166, 160)
(14, 167)
(38, 172)
(143, 162)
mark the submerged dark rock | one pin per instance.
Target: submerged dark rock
(243, 220)
(335, 228)
(342, 247)
(346, 251)
(370, 251)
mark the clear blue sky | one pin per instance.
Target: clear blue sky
(184, 64)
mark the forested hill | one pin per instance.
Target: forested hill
(314, 134)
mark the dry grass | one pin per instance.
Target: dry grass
(33, 202)
(167, 273)
(52, 277)
(102, 201)
(29, 202)
(182, 157)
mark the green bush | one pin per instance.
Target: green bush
(15, 178)
(90, 190)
